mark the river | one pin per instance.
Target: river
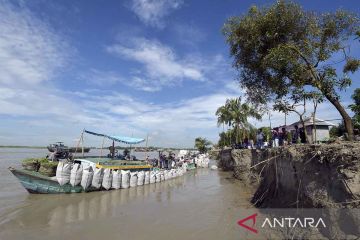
(202, 204)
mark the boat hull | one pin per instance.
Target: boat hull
(72, 149)
(34, 182)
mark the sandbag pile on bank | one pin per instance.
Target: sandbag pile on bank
(202, 160)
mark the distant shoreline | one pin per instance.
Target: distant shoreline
(34, 147)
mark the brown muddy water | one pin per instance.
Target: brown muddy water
(202, 204)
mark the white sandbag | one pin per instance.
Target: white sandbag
(147, 177)
(107, 179)
(158, 177)
(184, 166)
(63, 172)
(174, 173)
(171, 174)
(125, 179)
(152, 177)
(162, 177)
(140, 178)
(87, 177)
(133, 179)
(179, 172)
(116, 179)
(213, 167)
(166, 175)
(76, 174)
(97, 178)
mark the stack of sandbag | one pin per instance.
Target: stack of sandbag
(97, 178)
(125, 179)
(133, 179)
(202, 160)
(116, 179)
(152, 177)
(76, 174)
(63, 172)
(147, 177)
(140, 178)
(87, 177)
(107, 179)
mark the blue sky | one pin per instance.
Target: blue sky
(132, 67)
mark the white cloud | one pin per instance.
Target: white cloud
(162, 66)
(169, 124)
(152, 12)
(30, 52)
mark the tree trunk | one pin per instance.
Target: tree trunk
(347, 119)
(304, 129)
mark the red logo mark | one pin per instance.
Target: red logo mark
(253, 217)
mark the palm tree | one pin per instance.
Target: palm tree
(224, 117)
(240, 112)
(202, 144)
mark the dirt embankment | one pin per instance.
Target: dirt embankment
(299, 175)
(304, 176)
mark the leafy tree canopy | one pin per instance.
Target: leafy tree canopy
(202, 144)
(283, 48)
(355, 107)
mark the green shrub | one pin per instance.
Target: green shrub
(47, 167)
(31, 164)
(41, 165)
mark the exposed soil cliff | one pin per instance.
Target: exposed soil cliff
(308, 175)
(302, 176)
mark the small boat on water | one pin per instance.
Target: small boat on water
(35, 182)
(60, 147)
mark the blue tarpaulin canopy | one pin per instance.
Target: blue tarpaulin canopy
(127, 140)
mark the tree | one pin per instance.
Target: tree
(202, 144)
(283, 48)
(337, 131)
(236, 114)
(224, 117)
(355, 107)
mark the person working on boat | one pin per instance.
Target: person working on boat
(52, 156)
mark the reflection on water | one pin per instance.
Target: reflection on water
(60, 209)
(202, 204)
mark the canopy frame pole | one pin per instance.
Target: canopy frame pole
(113, 150)
(82, 144)
(146, 146)
(102, 146)
(78, 143)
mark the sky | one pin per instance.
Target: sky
(137, 68)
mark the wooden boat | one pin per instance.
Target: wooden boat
(79, 150)
(60, 147)
(34, 182)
